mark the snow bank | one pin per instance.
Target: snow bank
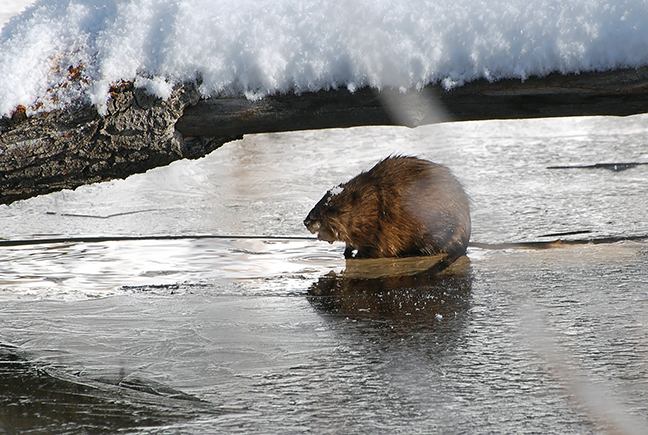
(60, 50)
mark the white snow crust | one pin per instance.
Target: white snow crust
(58, 51)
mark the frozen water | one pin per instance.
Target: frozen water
(529, 341)
(265, 185)
(59, 50)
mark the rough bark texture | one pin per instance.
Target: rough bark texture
(68, 148)
(65, 149)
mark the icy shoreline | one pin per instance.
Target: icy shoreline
(60, 51)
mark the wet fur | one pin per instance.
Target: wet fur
(403, 206)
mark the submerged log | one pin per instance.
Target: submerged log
(68, 148)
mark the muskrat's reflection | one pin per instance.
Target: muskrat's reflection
(417, 291)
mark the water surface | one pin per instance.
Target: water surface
(266, 335)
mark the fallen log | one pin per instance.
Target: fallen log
(613, 93)
(68, 148)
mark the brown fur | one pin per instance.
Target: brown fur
(403, 206)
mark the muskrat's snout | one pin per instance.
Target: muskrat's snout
(315, 224)
(314, 220)
(312, 224)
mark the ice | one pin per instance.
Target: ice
(58, 51)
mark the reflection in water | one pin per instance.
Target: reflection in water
(45, 400)
(406, 318)
(406, 297)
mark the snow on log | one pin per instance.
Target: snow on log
(616, 93)
(66, 148)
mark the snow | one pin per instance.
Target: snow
(336, 190)
(58, 51)
(9, 8)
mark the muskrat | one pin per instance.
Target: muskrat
(403, 206)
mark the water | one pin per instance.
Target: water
(280, 335)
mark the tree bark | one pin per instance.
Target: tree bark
(68, 148)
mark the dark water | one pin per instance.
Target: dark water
(209, 335)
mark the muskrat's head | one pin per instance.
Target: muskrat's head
(325, 218)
